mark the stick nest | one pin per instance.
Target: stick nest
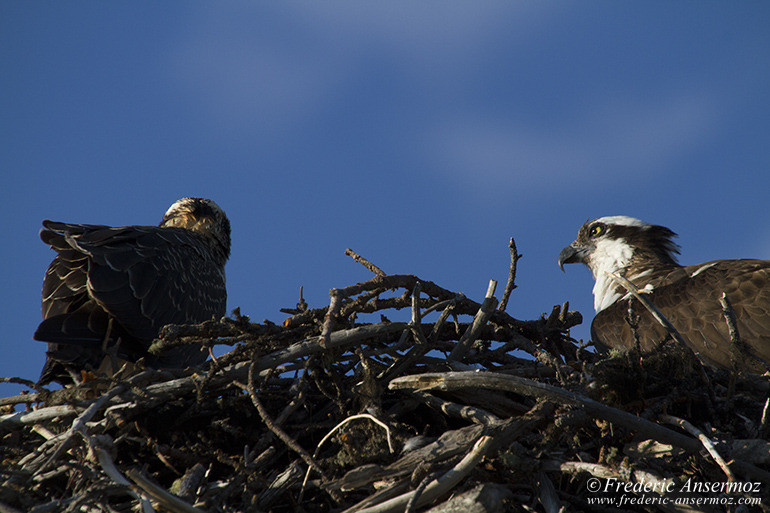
(460, 408)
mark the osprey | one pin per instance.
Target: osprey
(688, 296)
(110, 290)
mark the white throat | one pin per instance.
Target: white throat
(608, 256)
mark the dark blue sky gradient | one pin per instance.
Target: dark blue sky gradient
(422, 135)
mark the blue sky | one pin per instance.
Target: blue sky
(421, 134)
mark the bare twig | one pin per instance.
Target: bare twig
(439, 486)
(338, 426)
(764, 421)
(331, 313)
(707, 443)
(634, 291)
(280, 433)
(670, 329)
(169, 501)
(471, 413)
(739, 350)
(366, 263)
(454, 380)
(481, 318)
(22, 418)
(511, 284)
(187, 432)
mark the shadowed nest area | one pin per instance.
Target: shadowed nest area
(459, 406)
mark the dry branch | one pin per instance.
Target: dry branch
(478, 410)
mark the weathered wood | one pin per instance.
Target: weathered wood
(528, 408)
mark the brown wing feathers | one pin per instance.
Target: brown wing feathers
(140, 277)
(692, 306)
(689, 297)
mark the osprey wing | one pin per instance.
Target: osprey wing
(691, 304)
(141, 277)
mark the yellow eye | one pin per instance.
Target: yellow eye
(596, 230)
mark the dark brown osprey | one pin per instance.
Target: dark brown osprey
(112, 287)
(687, 296)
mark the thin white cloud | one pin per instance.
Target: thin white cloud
(242, 73)
(242, 77)
(614, 139)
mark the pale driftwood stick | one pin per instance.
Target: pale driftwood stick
(606, 472)
(454, 380)
(481, 318)
(439, 486)
(51, 474)
(511, 276)
(109, 468)
(169, 501)
(354, 417)
(663, 487)
(279, 485)
(331, 313)
(33, 460)
(307, 347)
(366, 263)
(476, 415)
(381, 495)
(412, 504)
(707, 443)
(449, 445)
(334, 429)
(79, 424)
(739, 349)
(765, 419)
(43, 431)
(337, 339)
(484, 498)
(25, 418)
(19, 399)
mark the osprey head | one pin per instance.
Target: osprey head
(618, 244)
(202, 216)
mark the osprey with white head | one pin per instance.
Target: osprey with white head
(646, 255)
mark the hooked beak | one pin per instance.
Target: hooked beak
(570, 255)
